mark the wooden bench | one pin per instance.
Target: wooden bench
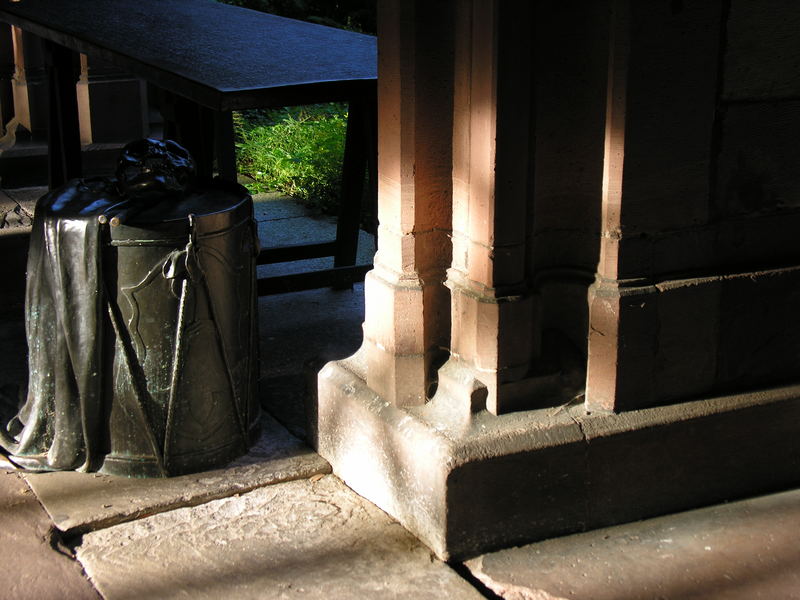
(211, 59)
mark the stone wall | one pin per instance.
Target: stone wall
(697, 272)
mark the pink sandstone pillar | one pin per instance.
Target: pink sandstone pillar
(407, 324)
(652, 334)
(493, 338)
(676, 311)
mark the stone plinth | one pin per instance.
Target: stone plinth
(465, 483)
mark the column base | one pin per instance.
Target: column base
(469, 483)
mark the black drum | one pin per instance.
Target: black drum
(184, 335)
(141, 321)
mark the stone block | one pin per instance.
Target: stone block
(312, 538)
(759, 240)
(564, 308)
(554, 248)
(762, 50)
(684, 339)
(492, 333)
(691, 454)
(431, 468)
(399, 378)
(571, 40)
(394, 317)
(465, 483)
(759, 334)
(622, 347)
(756, 165)
(688, 328)
(687, 250)
(670, 101)
(496, 266)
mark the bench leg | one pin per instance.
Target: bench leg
(225, 145)
(64, 137)
(192, 126)
(353, 170)
(372, 168)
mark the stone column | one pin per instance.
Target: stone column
(692, 309)
(6, 76)
(406, 323)
(493, 335)
(699, 274)
(112, 110)
(119, 102)
(29, 88)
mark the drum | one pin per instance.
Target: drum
(183, 343)
(142, 329)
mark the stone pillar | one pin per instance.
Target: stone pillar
(29, 87)
(493, 336)
(406, 323)
(112, 110)
(119, 103)
(651, 340)
(694, 202)
(6, 76)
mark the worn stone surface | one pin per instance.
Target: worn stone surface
(85, 501)
(317, 539)
(16, 208)
(33, 566)
(741, 550)
(16, 212)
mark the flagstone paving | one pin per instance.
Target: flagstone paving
(737, 551)
(313, 538)
(34, 567)
(80, 502)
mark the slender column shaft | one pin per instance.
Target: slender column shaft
(492, 309)
(406, 324)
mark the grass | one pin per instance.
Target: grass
(297, 151)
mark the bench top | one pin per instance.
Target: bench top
(221, 56)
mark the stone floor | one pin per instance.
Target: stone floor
(277, 524)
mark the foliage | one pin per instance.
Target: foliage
(296, 150)
(356, 15)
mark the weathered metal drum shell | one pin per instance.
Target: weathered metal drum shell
(184, 353)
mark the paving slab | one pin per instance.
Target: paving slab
(738, 551)
(299, 332)
(315, 539)
(79, 502)
(271, 206)
(27, 197)
(283, 221)
(32, 566)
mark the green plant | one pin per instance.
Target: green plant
(296, 150)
